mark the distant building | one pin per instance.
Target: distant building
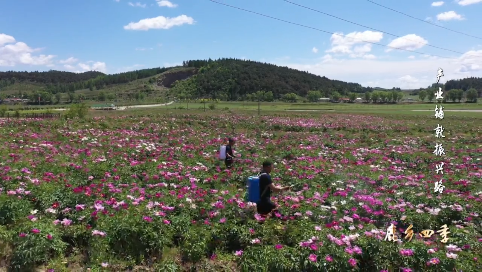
(13, 101)
(324, 99)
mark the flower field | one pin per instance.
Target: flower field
(149, 194)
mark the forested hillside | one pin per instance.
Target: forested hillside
(233, 79)
(466, 84)
(62, 82)
(224, 79)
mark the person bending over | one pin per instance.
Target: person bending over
(266, 186)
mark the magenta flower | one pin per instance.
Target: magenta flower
(313, 257)
(278, 246)
(238, 253)
(22, 234)
(433, 261)
(328, 258)
(352, 262)
(406, 252)
(49, 236)
(35, 231)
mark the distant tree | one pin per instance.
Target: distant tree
(313, 96)
(71, 96)
(430, 94)
(422, 95)
(101, 96)
(268, 96)
(471, 95)
(368, 96)
(290, 97)
(459, 94)
(452, 95)
(335, 96)
(352, 97)
(375, 97)
(58, 98)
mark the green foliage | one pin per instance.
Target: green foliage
(32, 248)
(232, 79)
(422, 95)
(313, 96)
(12, 209)
(77, 110)
(472, 95)
(3, 111)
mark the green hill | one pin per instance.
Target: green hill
(225, 79)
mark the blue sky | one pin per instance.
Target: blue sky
(117, 35)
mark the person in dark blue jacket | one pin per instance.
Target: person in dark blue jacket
(265, 206)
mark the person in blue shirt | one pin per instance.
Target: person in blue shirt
(229, 153)
(265, 206)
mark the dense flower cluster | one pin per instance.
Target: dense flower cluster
(150, 191)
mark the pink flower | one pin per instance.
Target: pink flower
(147, 218)
(328, 258)
(22, 234)
(278, 246)
(35, 230)
(352, 262)
(238, 253)
(433, 261)
(49, 236)
(222, 220)
(406, 252)
(312, 257)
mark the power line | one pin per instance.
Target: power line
(345, 20)
(424, 20)
(328, 32)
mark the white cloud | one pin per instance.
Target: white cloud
(86, 67)
(411, 57)
(407, 42)
(69, 60)
(160, 22)
(93, 66)
(137, 4)
(449, 15)
(390, 73)
(471, 62)
(165, 3)
(13, 53)
(346, 44)
(315, 50)
(143, 49)
(408, 82)
(437, 4)
(468, 2)
(130, 68)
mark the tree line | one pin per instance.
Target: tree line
(453, 95)
(71, 82)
